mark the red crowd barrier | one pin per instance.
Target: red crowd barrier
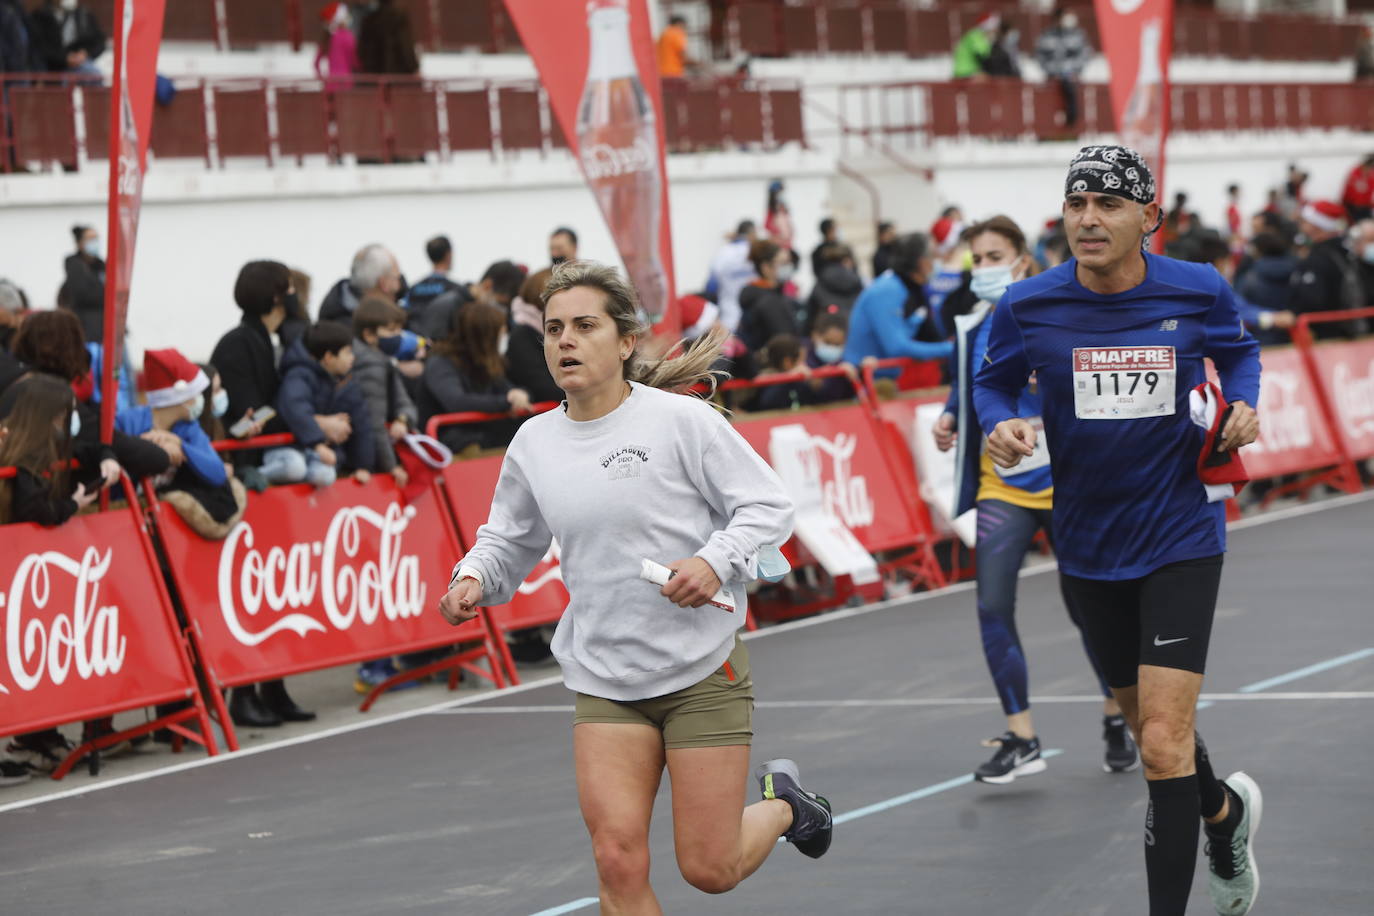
(90, 632)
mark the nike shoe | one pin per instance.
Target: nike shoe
(1234, 879)
(812, 824)
(1121, 756)
(1015, 757)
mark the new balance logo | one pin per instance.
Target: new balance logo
(1169, 324)
(1165, 642)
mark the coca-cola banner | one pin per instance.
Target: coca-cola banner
(1137, 40)
(542, 597)
(84, 627)
(316, 577)
(596, 61)
(1345, 370)
(137, 34)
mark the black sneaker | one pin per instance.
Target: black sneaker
(1015, 757)
(12, 773)
(812, 824)
(1121, 756)
(42, 751)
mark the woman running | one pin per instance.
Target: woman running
(1012, 507)
(628, 470)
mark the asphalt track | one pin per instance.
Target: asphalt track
(471, 809)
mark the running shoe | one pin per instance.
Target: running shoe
(371, 674)
(812, 824)
(42, 751)
(1015, 757)
(1121, 756)
(1234, 879)
(12, 773)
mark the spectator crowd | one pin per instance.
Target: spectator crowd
(381, 357)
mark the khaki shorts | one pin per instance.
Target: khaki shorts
(715, 712)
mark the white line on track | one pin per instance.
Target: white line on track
(1279, 515)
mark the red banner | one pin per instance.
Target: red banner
(596, 61)
(137, 34)
(85, 627)
(1345, 370)
(1137, 40)
(315, 578)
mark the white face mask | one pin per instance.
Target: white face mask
(69, 4)
(785, 273)
(92, 248)
(503, 344)
(989, 283)
(1069, 21)
(219, 405)
(75, 425)
(195, 407)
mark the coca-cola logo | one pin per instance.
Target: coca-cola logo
(1355, 399)
(296, 582)
(844, 494)
(1285, 422)
(83, 638)
(601, 160)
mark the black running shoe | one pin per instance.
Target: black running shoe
(812, 824)
(12, 773)
(1015, 757)
(1121, 756)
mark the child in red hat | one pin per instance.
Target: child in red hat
(176, 398)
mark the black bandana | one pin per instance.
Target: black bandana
(1116, 170)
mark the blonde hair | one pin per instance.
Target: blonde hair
(686, 364)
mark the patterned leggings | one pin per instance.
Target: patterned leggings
(1004, 535)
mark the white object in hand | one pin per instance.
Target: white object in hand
(659, 574)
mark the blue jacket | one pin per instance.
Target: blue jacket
(878, 327)
(307, 389)
(971, 343)
(201, 456)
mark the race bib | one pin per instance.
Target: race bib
(1123, 383)
(1034, 462)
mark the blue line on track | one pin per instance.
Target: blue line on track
(1304, 672)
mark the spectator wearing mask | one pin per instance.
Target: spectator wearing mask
(1005, 57)
(439, 250)
(316, 380)
(825, 347)
(1267, 284)
(386, 43)
(526, 366)
(892, 317)
(766, 310)
(1062, 52)
(378, 338)
(830, 235)
(83, 290)
(562, 246)
(838, 284)
(952, 252)
(50, 343)
(971, 54)
(673, 59)
(1270, 326)
(499, 286)
(374, 269)
(467, 372)
(700, 317)
(783, 355)
(882, 255)
(1358, 195)
(338, 48)
(1327, 279)
(67, 37)
(731, 270)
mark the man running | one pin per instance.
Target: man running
(1117, 337)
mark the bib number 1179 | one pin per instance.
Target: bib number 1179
(1123, 383)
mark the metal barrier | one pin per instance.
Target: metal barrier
(64, 122)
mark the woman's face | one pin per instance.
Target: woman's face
(993, 249)
(582, 346)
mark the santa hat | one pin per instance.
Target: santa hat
(1325, 214)
(989, 21)
(334, 13)
(945, 234)
(1222, 473)
(698, 315)
(171, 378)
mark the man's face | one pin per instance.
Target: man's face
(1103, 229)
(561, 248)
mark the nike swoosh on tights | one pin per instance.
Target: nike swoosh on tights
(1165, 642)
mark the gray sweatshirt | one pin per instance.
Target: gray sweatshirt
(663, 477)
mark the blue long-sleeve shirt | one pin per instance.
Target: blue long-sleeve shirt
(878, 327)
(201, 456)
(1114, 373)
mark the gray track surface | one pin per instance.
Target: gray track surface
(475, 812)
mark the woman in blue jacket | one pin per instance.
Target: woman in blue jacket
(1012, 507)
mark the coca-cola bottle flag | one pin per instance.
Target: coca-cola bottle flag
(596, 61)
